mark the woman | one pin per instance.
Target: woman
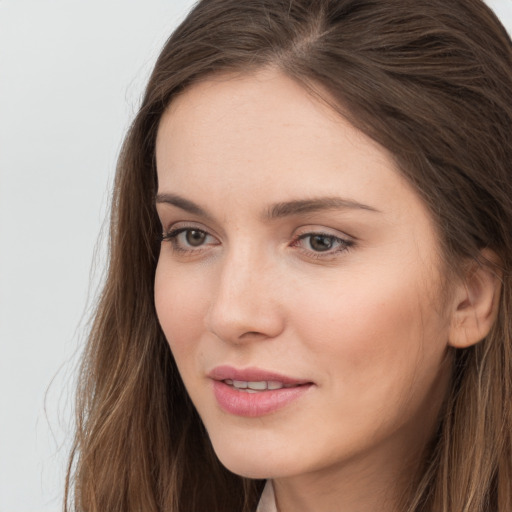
(309, 281)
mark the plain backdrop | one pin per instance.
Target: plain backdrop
(71, 77)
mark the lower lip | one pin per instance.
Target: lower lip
(251, 405)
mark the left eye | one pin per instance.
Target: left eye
(321, 242)
(194, 237)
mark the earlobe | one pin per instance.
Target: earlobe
(476, 301)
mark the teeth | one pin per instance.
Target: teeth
(253, 387)
(258, 386)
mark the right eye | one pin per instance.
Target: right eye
(189, 239)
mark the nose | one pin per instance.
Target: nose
(246, 303)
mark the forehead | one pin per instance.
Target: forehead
(264, 138)
(256, 126)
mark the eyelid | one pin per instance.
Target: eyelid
(170, 226)
(189, 224)
(174, 231)
(315, 229)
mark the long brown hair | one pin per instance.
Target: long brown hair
(430, 80)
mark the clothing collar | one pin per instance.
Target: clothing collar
(267, 501)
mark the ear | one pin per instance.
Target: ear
(476, 301)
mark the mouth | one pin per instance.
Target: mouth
(258, 386)
(253, 392)
(254, 378)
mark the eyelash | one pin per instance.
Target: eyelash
(343, 244)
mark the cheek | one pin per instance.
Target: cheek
(379, 337)
(181, 305)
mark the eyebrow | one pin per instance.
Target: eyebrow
(276, 211)
(302, 206)
(182, 203)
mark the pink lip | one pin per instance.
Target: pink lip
(252, 375)
(241, 403)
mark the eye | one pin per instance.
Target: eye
(194, 237)
(188, 239)
(321, 244)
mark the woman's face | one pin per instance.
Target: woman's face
(298, 283)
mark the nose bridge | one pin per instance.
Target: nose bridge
(244, 302)
(243, 265)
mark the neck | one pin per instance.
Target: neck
(351, 487)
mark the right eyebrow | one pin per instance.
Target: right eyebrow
(183, 204)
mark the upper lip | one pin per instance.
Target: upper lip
(252, 374)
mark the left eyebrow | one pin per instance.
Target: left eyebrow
(302, 206)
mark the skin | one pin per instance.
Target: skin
(366, 321)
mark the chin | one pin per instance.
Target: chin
(255, 459)
(256, 470)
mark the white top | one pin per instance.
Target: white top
(267, 501)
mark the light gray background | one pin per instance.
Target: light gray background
(71, 77)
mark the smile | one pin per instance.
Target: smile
(256, 386)
(253, 392)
